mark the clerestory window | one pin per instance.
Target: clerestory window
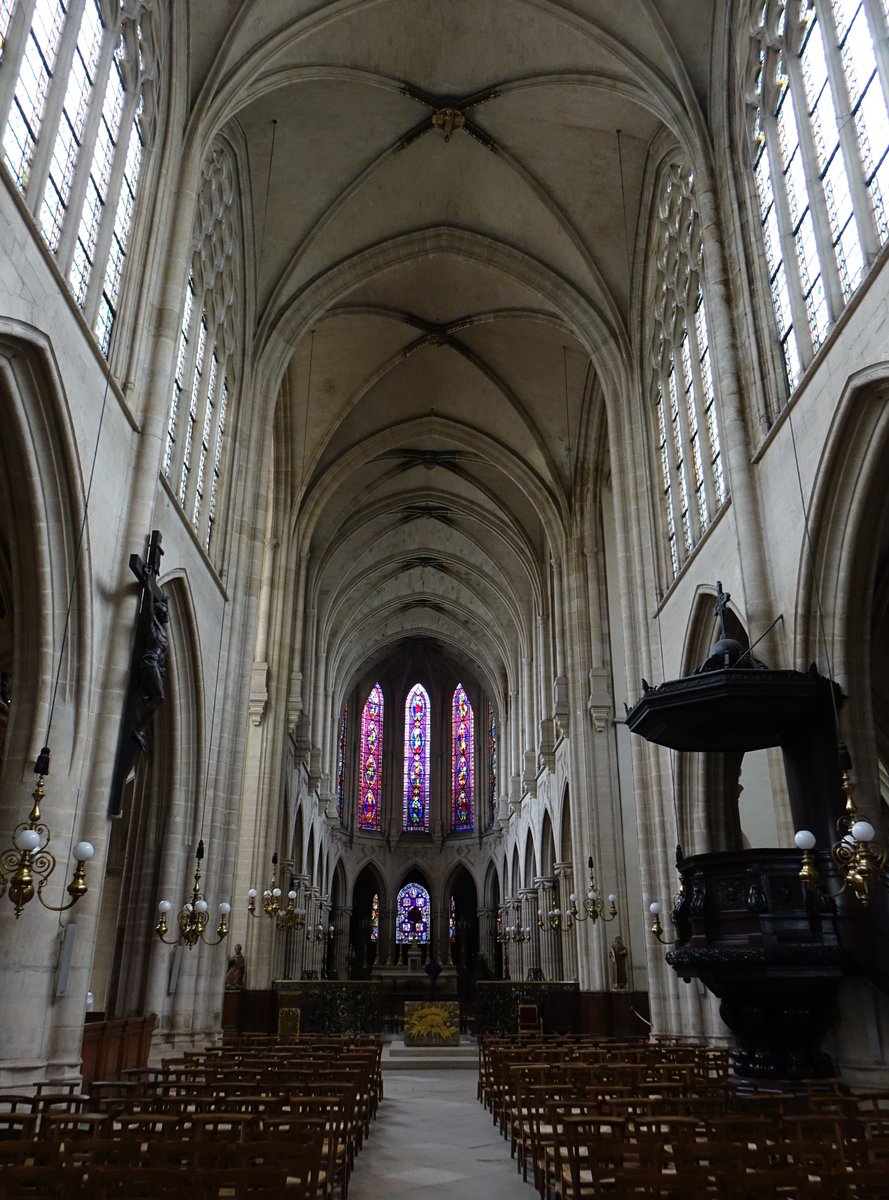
(819, 82)
(78, 97)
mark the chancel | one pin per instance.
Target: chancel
(443, 471)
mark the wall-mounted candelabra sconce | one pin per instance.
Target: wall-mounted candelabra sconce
(194, 916)
(857, 854)
(656, 927)
(29, 859)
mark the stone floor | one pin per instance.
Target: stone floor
(432, 1136)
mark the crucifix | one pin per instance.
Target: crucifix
(722, 599)
(148, 672)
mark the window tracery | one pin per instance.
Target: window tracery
(77, 103)
(416, 760)
(208, 355)
(462, 762)
(371, 775)
(412, 915)
(817, 92)
(492, 767)
(687, 428)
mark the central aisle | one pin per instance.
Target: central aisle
(431, 1132)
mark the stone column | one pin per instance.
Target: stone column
(565, 871)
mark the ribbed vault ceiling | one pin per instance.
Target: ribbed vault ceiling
(425, 283)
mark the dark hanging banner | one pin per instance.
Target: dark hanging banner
(148, 671)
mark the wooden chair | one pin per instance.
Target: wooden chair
(17, 1126)
(528, 1018)
(42, 1183)
(81, 1154)
(22, 1152)
(145, 1183)
(258, 1183)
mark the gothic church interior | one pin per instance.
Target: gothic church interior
(456, 348)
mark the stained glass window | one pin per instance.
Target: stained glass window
(375, 918)
(416, 759)
(687, 429)
(463, 778)
(492, 766)
(412, 914)
(371, 760)
(341, 764)
(452, 919)
(820, 132)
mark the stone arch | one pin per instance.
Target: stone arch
(841, 603)
(157, 835)
(530, 861)
(309, 869)
(42, 493)
(364, 949)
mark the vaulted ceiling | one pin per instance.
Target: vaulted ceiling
(444, 211)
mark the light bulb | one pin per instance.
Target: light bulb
(276, 892)
(164, 906)
(655, 908)
(225, 908)
(201, 906)
(573, 897)
(804, 839)
(26, 839)
(83, 851)
(612, 897)
(252, 894)
(863, 831)
(291, 895)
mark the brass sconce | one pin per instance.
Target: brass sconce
(29, 859)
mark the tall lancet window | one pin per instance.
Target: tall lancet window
(817, 88)
(78, 96)
(462, 765)
(687, 429)
(371, 774)
(209, 354)
(492, 767)
(416, 760)
(341, 765)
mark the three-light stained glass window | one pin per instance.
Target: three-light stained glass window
(412, 914)
(371, 774)
(416, 760)
(463, 768)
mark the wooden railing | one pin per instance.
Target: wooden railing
(111, 1047)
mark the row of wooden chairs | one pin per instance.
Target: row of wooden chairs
(587, 1124)
(292, 1116)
